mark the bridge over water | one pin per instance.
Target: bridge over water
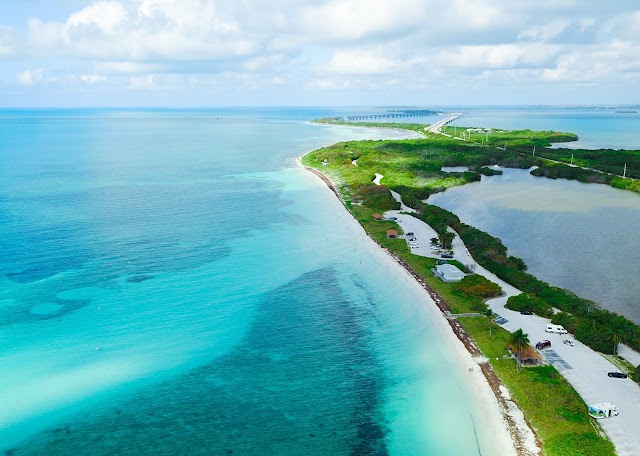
(392, 115)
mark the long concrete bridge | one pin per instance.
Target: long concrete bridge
(437, 127)
(391, 115)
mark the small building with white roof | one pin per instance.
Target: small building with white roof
(448, 273)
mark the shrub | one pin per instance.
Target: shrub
(566, 320)
(477, 286)
(595, 336)
(531, 303)
(583, 444)
(376, 197)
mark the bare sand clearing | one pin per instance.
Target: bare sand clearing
(503, 425)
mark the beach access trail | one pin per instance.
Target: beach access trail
(585, 369)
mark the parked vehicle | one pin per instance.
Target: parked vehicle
(617, 375)
(569, 342)
(557, 329)
(543, 344)
(410, 233)
(603, 410)
(446, 255)
(526, 312)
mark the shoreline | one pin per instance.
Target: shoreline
(512, 432)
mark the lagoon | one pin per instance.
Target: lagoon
(582, 237)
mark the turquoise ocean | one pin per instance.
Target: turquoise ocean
(172, 283)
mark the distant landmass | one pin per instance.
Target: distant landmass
(393, 114)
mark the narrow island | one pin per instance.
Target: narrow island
(380, 182)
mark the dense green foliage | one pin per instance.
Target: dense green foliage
(525, 302)
(395, 125)
(607, 160)
(566, 320)
(376, 197)
(478, 286)
(560, 171)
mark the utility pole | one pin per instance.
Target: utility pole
(624, 173)
(571, 158)
(505, 144)
(534, 151)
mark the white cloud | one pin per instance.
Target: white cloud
(545, 32)
(499, 56)
(349, 20)
(106, 16)
(142, 82)
(30, 77)
(145, 31)
(92, 78)
(329, 44)
(362, 62)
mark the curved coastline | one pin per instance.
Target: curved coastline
(512, 433)
(623, 440)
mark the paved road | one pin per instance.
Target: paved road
(583, 367)
(437, 127)
(421, 231)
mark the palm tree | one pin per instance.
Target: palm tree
(446, 239)
(489, 314)
(519, 342)
(616, 337)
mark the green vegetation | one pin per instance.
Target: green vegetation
(521, 140)
(604, 166)
(529, 303)
(518, 342)
(393, 125)
(593, 326)
(553, 170)
(413, 169)
(607, 160)
(477, 286)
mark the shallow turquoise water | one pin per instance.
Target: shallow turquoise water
(170, 283)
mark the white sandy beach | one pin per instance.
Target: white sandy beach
(498, 440)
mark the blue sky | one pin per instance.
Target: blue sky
(320, 52)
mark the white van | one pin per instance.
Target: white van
(557, 329)
(603, 410)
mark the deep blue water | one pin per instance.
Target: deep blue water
(172, 283)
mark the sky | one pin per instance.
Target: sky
(318, 52)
